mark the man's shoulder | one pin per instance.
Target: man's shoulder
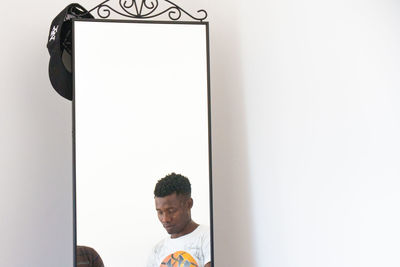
(160, 244)
(203, 230)
(201, 234)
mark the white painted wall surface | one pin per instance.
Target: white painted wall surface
(305, 135)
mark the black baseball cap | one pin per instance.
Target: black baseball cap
(59, 45)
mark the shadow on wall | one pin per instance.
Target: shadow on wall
(232, 219)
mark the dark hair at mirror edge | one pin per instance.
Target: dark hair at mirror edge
(173, 183)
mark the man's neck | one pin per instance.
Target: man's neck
(190, 227)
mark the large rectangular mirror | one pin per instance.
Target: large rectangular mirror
(141, 114)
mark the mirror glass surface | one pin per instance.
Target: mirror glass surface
(140, 113)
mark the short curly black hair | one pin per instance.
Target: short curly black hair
(173, 183)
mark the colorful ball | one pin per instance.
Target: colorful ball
(179, 259)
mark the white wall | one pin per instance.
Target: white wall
(306, 126)
(35, 143)
(305, 132)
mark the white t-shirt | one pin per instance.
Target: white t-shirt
(187, 250)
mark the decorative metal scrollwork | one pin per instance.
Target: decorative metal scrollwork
(146, 9)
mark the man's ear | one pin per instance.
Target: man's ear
(190, 202)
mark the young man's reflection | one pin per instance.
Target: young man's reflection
(87, 257)
(188, 243)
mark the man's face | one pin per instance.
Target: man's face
(174, 213)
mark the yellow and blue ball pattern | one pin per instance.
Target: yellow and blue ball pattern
(179, 259)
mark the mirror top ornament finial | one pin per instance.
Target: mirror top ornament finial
(145, 9)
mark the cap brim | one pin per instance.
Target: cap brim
(60, 78)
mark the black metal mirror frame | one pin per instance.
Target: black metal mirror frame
(144, 11)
